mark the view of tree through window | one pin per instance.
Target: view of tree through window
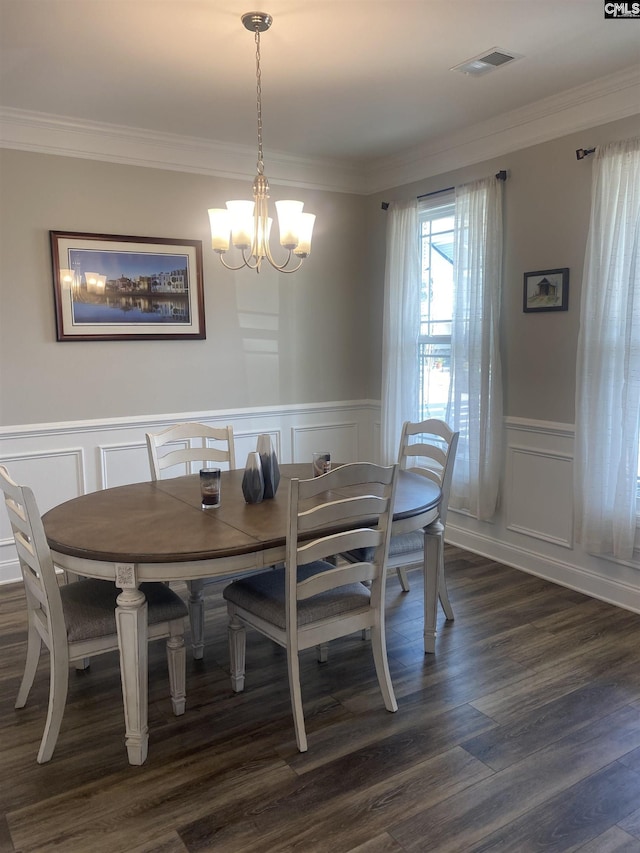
(436, 307)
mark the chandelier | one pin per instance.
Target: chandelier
(246, 224)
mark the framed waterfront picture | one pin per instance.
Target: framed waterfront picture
(113, 288)
(546, 290)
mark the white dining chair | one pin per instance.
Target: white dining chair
(427, 448)
(203, 445)
(311, 601)
(77, 621)
(191, 443)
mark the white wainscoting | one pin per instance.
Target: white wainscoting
(61, 461)
(532, 531)
(533, 528)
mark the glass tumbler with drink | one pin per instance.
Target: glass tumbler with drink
(210, 487)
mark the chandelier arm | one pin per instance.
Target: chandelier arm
(274, 263)
(244, 263)
(283, 268)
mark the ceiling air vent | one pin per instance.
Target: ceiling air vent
(487, 61)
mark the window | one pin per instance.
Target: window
(436, 220)
(441, 355)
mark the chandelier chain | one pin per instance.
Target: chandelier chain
(260, 163)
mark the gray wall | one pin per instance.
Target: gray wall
(271, 338)
(547, 202)
(315, 336)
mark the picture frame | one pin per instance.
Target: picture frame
(546, 290)
(110, 287)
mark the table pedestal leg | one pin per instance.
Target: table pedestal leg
(131, 622)
(432, 547)
(196, 618)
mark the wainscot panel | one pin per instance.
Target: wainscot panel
(63, 460)
(533, 528)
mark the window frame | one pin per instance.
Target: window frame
(431, 209)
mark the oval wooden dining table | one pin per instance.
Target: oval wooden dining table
(158, 531)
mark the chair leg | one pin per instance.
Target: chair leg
(432, 546)
(58, 686)
(437, 530)
(322, 652)
(196, 618)
(293, 665)
(379, 646)
(177, 665)
(402, 577)
(237, 650)
(443, 593)
(34, 645)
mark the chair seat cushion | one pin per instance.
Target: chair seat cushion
(89, 607)
(263, 595)
(406, 543)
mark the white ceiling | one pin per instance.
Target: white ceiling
(344, 80)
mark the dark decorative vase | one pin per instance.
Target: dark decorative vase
(253, 480)
(270, 467)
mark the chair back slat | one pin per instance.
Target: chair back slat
(216, 444)
(328, 546)
(34, 556)
(192, 454)
(341, 511)
(433, 455)
(332, 578)
(30, 568)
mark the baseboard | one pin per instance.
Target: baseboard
(562, 572)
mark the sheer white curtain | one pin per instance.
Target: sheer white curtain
(475, 392)
(608, 365)
(401, 327)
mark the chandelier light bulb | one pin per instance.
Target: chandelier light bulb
(307, 221)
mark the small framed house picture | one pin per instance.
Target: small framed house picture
(546, 290)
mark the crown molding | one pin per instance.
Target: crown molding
(607, 99)
(50, 134)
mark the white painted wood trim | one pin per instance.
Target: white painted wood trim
(622, 593)
(601, 101)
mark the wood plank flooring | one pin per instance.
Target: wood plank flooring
(521, 734)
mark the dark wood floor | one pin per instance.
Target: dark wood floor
(521, 734)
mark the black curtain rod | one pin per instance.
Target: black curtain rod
(436, 192)
(500, 176)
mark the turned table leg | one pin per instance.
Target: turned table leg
(131, 622)
(196, 618)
